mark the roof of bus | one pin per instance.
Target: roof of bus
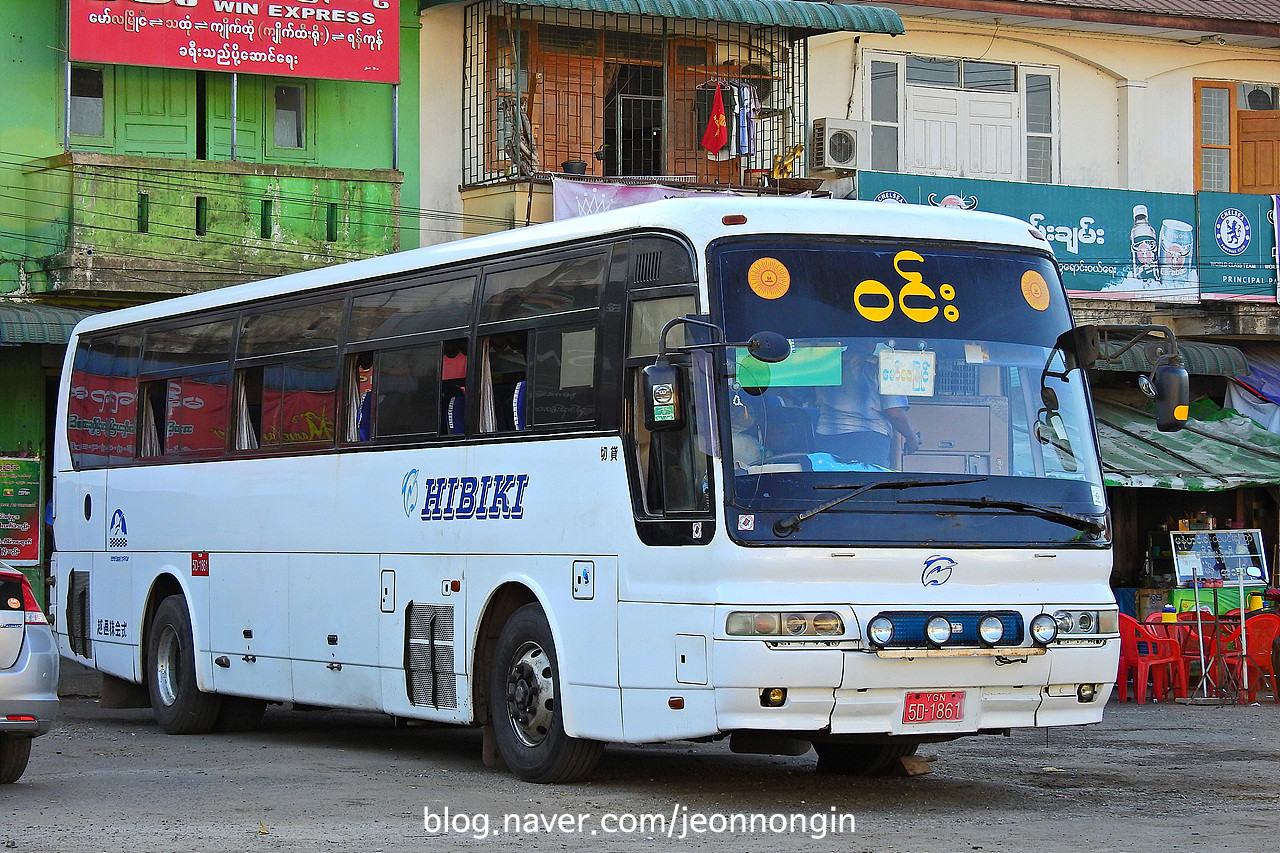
(697, 218)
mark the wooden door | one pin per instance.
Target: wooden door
(1258, 135)
(569, 110)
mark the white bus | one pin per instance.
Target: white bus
(452, 484)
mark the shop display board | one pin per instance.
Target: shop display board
(1227, 555)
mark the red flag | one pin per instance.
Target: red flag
(716, 135)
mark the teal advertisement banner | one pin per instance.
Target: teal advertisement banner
(1237, 245)
(1116, 244)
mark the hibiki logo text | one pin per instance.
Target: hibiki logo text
(452, 498)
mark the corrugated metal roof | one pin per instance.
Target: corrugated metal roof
(1217, 450)
(1200, 358)
(29, 323)
(801, 14)
(1232, 10)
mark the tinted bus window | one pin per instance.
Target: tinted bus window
(103, 401)
(564, 376)
(168, 349)
(412, 310)
(293, 329)
(551, 288)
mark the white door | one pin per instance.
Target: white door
(964, 134)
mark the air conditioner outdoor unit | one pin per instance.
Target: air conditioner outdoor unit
(840, 145)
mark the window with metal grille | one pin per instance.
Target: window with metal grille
(562, 90)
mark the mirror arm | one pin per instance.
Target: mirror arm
(1138, 333)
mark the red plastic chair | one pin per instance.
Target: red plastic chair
(1151, 660)
(1260, 631)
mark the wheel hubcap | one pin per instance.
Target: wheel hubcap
(168, 652)
(531, 693)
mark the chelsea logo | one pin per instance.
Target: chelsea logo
(1232, 231)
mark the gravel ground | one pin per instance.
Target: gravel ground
(1164, 777)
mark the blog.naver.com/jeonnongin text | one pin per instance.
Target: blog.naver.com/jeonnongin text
(680, 822)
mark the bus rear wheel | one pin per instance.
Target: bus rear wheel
(862, 759)
(181, 708)
(524, 704)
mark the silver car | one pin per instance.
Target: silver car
(28, 673)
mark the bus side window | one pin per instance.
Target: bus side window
(405, 395)
(453, 387)
(359, 409)
(247, 426)
(151, 418)
(503, 371)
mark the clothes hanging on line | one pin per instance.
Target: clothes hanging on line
(741, 107)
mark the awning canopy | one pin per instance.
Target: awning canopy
(801, 14)
(1217, 450)
(1200, 358)
(28, 323)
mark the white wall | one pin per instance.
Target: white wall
(441, 117)
(1125, 104)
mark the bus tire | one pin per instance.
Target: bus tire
(862, 759)
(180, 706)
(239, 714)
(524, 705)
(14, 753)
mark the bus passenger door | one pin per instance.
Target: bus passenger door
(422, 636)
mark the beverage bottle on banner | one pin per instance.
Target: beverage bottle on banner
(1142, 240)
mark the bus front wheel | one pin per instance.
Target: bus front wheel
(525, 705)
(180, 706)
(862, 759)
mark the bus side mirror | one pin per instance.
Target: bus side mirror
(662, 399)
(1169, 385)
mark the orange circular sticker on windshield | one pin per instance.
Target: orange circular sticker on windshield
(1035, 290)
(769, 278)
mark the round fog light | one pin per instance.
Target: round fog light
(1086, 692)
(880, 630)
(938, 630)
(1044, 629)
(990, 630)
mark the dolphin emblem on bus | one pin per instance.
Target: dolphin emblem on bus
(409, 492)
(937, 570)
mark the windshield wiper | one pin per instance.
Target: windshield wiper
(1079, 522)
(785, 527)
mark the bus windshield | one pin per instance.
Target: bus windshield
(927, 369)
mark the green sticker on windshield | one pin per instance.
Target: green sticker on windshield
(805, 367)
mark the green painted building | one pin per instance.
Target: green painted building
(122, 184)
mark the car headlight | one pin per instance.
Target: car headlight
(746, 623)
(1077, 622)
(1044, 629)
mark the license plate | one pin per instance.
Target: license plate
(933, 707)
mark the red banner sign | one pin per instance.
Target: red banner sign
(331, 39)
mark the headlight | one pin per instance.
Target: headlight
(743, 623)
(880, 631)
(990, 630)
(1044, 629)
(938, 630)
(1077, 622)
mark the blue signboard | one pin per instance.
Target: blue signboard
(1120, 244)
(1237, 245)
